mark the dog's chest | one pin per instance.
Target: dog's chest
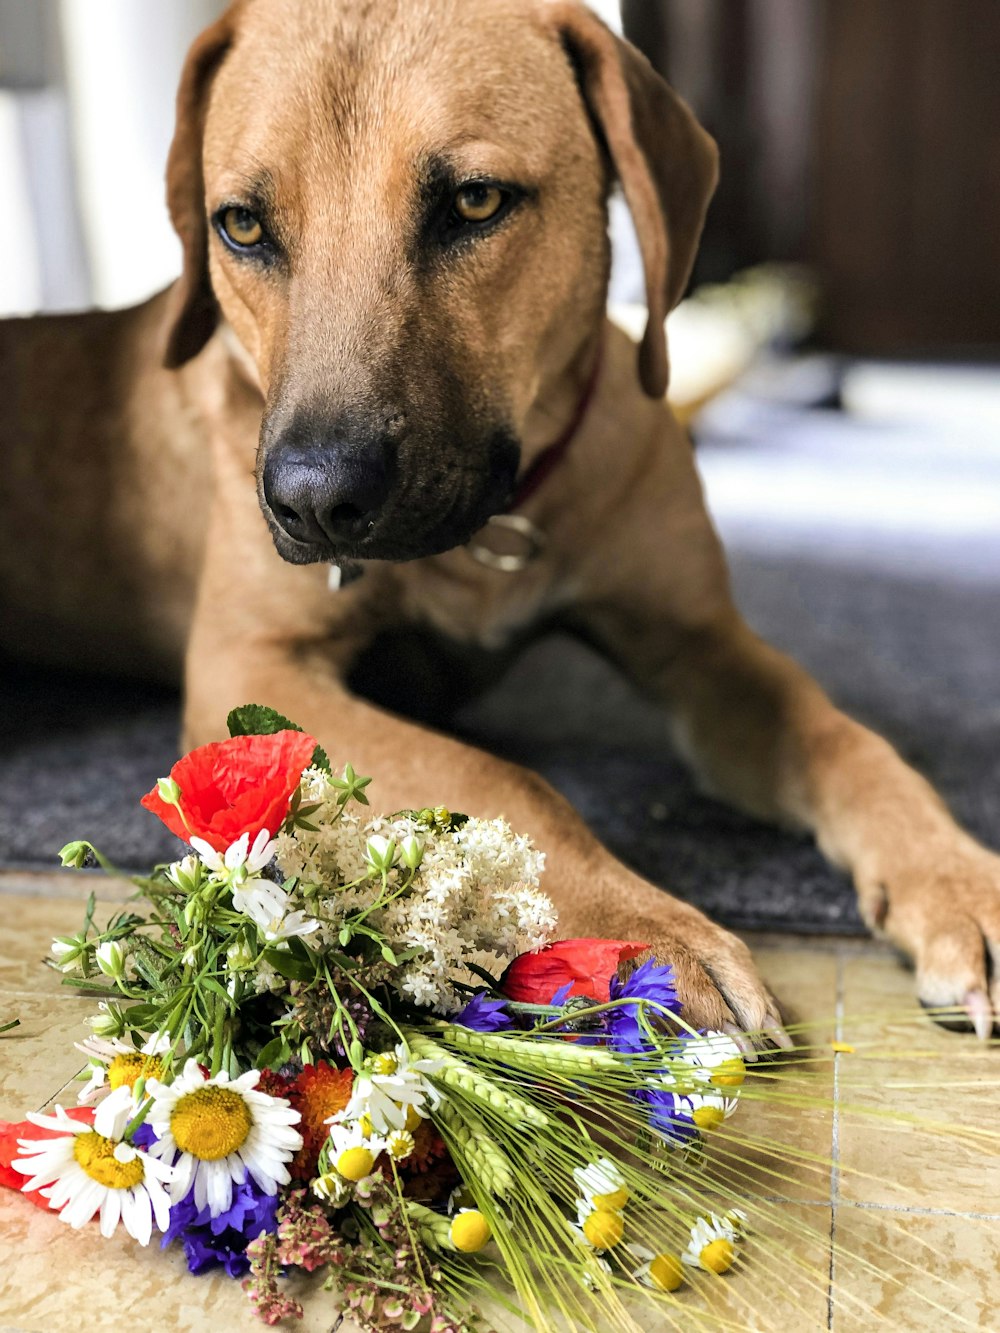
(469, 603)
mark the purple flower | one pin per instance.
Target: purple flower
(669, 1115)
(209, 1241)
(649, 982)
(484, 1015)
(562, 994)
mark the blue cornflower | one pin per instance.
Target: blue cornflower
(650, 982)
(485, 1015)
(222, 1240)
(670, 1115)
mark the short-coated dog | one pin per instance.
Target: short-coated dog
(388, 352)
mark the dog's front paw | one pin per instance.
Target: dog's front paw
(940, 904)
(717, 981)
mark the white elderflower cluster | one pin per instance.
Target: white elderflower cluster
(474, 898)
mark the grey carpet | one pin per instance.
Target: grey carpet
(914, 658)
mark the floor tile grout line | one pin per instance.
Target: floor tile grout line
(835, 1145)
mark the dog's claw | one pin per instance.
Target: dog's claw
(742, 1041)
(777, 1035)
(980, 1012)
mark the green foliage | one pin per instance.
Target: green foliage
(259, 720)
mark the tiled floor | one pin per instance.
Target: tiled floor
(870, 1221)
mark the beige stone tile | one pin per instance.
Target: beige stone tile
(906, 1271)
(72, 884)
(37, 1059)
(780, 1281)
(57, 1280)
(780, 1139)
(29, 923)
(917, 1119)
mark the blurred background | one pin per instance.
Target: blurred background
(838, 363)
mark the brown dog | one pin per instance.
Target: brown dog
(395, 261)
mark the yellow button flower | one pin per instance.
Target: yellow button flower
(470, 1231)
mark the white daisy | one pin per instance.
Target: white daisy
(708, 1111)
(352, 1152)
(394, 1093)
(662, 1272)
(713, 1057)
(713, 1241)
(90, 1168)
(219, 1130)
(602, 1184)
(118, 1064)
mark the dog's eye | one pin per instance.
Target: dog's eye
(478, 202)
(241, 228)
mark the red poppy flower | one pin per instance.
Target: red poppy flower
(234, 787)
(10, 1132)
(586, 966)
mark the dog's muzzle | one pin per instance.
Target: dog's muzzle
(322, 495)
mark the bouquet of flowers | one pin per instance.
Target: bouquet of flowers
(353, 1046)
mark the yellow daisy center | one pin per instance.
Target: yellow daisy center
(666, 1272)
(386, 1063)
(730, 1073)
(211, 1123)
(611, 1202)
(355, 1163)
(470, 1231)
(603, 1229)
(96, 1155)
(401, 1144)
(708, 1117)
(125, 1069)
(365, 1125)
(413, 1119)
(718, 1256)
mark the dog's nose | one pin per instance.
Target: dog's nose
(323, 493)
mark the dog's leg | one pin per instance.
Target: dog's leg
(763, 735)
(593, 892)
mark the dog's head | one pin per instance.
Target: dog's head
(400, 210)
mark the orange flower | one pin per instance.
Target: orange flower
(319, 1092)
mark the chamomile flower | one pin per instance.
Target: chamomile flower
(352, 1153)
(394, 1092)
(598, 1228)
(710, 1110)
(713, 1241)
(662, 1272)
(713, 1057)
(218, 1130)
(115, 1064)
(85, 1169)
(602, 1184)
(400, 1144)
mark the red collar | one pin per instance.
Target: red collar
(550, 458)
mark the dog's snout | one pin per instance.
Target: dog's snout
(325, 493)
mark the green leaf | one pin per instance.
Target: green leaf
(287, 966)
(217, 988)
(259, 720)
(277, 1052)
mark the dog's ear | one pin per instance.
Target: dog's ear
(193, 313)
(666, 163)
